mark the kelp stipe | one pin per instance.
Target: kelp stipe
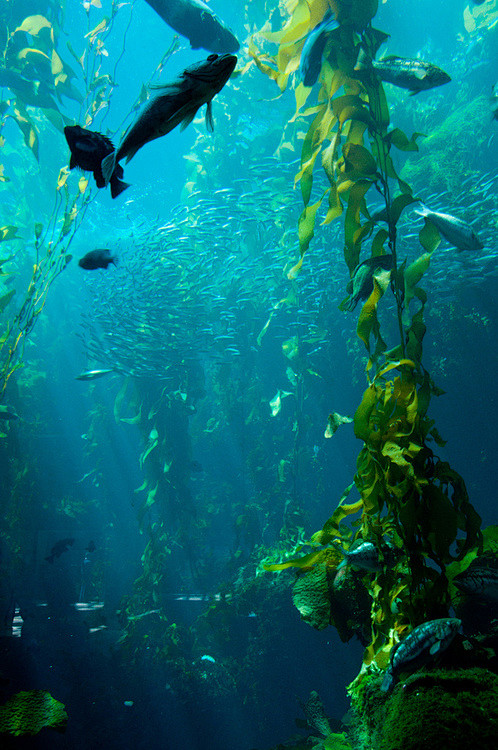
(412, 503)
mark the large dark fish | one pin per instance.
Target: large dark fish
(414, 75)
(99, 258)
(178, 103)
(478, 581)
(59, 547)
(423, 643)
(196, 21)
(310, 63)
(87, 151)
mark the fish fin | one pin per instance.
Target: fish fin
(72, 162)
(108, 165)
(414, 93)
(117, 186)
(387, 682)
(209, 116)
(420, 74)
(187, 119)
(99, 180)
(435, 648)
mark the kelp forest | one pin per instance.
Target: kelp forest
(278, 452)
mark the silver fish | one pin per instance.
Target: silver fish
(93, 374)
(457, 232)
(424, 642)
(177, 104)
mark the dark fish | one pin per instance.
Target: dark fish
(414, 75)
(87, 151)
(99, 258)
(361, 285)
(178, 103)
(366, 556)
(494, 101)
(310, 63)
(424, 642)
(90, 547)
(34, 93)
(92, 374)
(478, 2)
(7, 413)
(59, 547)
(196, 21)
(478, 581)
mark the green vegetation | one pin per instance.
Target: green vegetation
(28, 712)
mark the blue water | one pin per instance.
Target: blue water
(223, 498)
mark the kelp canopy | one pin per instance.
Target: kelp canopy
(410, 500)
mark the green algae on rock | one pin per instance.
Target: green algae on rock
(29, 711)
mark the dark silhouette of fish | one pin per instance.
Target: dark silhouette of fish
(196, 21)
(310, 63)
(177, 104)
(59, 547)
(34, 93)
(361, 285)
(90, 547)
(99, 258)
(87, 151)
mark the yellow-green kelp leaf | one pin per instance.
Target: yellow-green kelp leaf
(8, 232)
(397, 138)
(33, 25)
(331, 528)
(27, 128)
(303, 563)
(306, 232)
(414, 273)
(429, 236)
(29, 711)
(367, 322)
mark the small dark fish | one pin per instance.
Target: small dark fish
(414, 75)
(361, 285)
(87, 151)
(196, 21)
(59, 547)
(177, 104)
(478, 2)
(366, 556)
(8, 413)
(424, 642)
(90, 547)
(99, 258)
(310, 63)
(93, 374)
(494, 101)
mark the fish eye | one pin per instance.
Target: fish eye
(212, 58)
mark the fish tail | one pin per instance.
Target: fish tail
(117, 186)
(388, 681)
(108, 165)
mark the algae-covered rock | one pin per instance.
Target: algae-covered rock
(29, 711)
(434, 710)
(311, 597)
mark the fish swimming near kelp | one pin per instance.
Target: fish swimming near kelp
(414, 75)
(478, 581)
(310, 63)
(196, 21)
(456, 231)
(34, 93)
(94, 374)
(59, 547)
(367, 556)
(87, 151)
(177, 105)
(99, 258)
(361, 285)
(420, 646)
